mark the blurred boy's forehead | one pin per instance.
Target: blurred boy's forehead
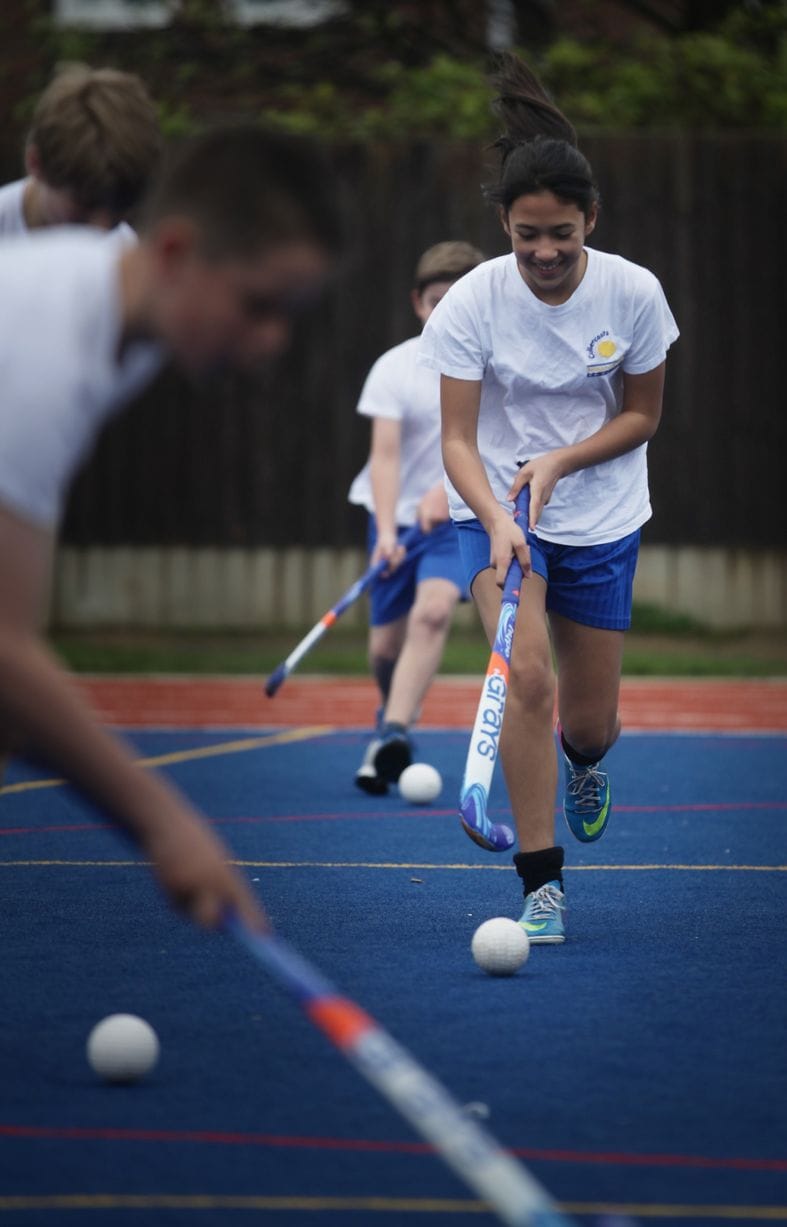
(284, 277)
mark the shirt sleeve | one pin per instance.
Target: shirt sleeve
(654, 329)
(35, 459)
(451, 341)
(383, 389)
(39, 431)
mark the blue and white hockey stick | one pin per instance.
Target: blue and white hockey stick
(492, 1173)
(413, 541)
(485, 739)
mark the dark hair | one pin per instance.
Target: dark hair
(538, 150)
(246, 188)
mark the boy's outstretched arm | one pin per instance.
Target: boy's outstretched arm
(40, 706)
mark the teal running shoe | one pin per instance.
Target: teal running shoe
(542, 918)
(587, 803)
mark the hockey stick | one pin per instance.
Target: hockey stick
(491, 1172)
(485, 739)
(413, 541)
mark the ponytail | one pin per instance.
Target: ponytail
(524, 105)
(538, 149)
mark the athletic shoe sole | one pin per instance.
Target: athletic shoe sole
(367, 779)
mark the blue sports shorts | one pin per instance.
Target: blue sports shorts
(590, 584)
(393, 596)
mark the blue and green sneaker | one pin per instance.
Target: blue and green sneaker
(542, 918)
(587, 803)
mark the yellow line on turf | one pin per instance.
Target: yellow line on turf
(239, 747)
(744, 1214)
(494, 868)
(397, 1205)
(124, 1201)
(405, 865)
(706, 868)
(187, 756)
(74, 864)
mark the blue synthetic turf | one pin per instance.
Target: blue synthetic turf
(655, 1033)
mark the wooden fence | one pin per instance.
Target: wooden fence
(228, 505)
(271, 465)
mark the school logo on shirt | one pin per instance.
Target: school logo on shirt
(603, 354)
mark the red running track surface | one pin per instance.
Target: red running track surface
(652, 704)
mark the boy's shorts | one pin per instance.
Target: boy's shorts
(590, 584)
(393, 596)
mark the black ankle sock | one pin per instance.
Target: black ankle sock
(537, 868)
(579, 760)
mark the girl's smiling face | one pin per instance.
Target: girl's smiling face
(547, 237)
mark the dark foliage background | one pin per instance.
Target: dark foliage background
(681, 105)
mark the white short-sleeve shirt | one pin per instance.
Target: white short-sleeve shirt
(397, 387)
(62, 369)
(551, 377)
(12, 216)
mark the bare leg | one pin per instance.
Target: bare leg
(527, 746)
(589, 663)
(419, 659)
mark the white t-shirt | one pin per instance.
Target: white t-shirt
(12, 217)
(61, 372)
(551, 377)
(398, 388)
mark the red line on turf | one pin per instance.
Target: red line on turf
(222, 1138)
(696, 806)
(72, 826)
(376, 815)
(427, 811)
(410, 812)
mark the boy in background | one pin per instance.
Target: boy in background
(400, 486)
(93, 142)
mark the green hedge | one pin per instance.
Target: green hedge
(731, 76)
(699, 81)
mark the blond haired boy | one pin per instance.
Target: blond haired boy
(402, 484)
(93, 142)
